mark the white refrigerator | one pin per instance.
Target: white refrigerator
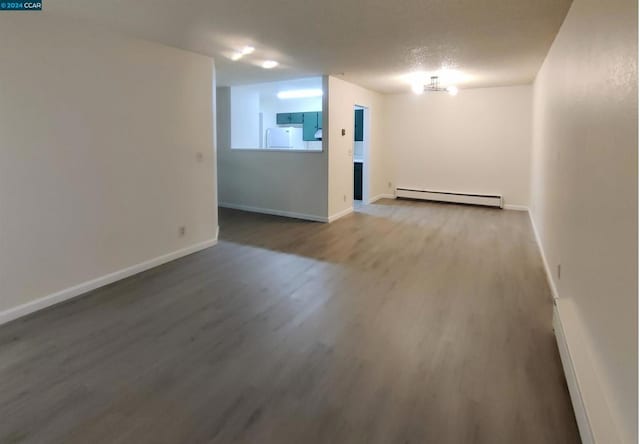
(284, 138)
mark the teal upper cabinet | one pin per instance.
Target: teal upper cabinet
(358, 133)
(297, 118)
(289, 118)
(283, 118)
(312, 122)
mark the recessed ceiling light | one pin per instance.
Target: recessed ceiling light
(247, 50)
(268, 64)
(236, 56)
(417, 88)
(299, 93)
(453, 90)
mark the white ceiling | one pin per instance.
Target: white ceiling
(271, 89)
(370, 42)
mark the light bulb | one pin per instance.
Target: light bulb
(453, 90)
(417, 88)
(247, 50)
(236, 56)
(268, 64)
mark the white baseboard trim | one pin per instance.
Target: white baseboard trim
(381, 196)
(547, 269)
(590, 406)
(340, 214)
(515, 207)
(77, 290)
(273, 212)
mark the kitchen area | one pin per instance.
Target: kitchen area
(277, 116)
(293, 129)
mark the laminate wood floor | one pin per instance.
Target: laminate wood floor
(406, 322)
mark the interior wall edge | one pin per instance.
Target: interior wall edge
(545, 262)
(340, 214)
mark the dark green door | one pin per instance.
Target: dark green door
(358, 132)
(357, 181)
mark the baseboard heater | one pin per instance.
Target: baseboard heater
(490, 200)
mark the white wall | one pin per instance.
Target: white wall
(584, 198)
(285, 182)
(99, 136)
(342, 97)
(476, 142)
(245, 117)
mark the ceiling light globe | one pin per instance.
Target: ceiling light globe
(453, 90)
(417, 88)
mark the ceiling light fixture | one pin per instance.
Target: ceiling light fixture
(268, 64)
(247, 50)
(433, 86)
(299, 93)
(236, 56)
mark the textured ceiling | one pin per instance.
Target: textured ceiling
(372, 43)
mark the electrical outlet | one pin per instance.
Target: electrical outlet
(559, 270)
(182, 230)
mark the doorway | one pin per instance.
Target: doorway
(360, 154)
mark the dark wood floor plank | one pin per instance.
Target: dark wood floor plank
(405, 322)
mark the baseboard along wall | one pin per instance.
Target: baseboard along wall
(273, 212)
(84, 287)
